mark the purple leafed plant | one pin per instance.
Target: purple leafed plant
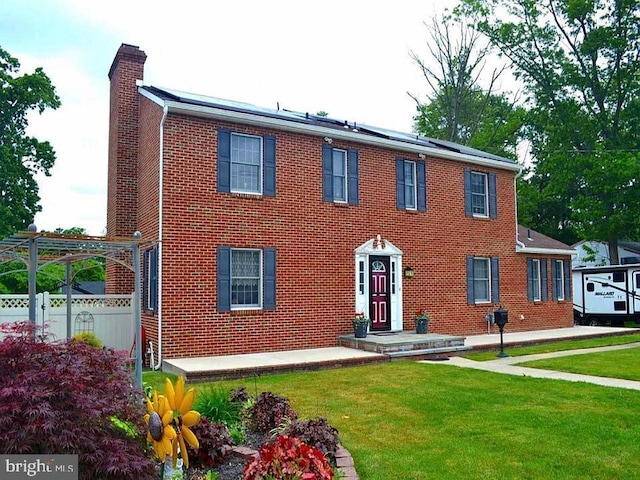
(70, 397)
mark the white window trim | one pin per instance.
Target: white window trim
(535, 263)
(560, 292)
(486, 195)
(345, 176)
(415, 187)
(260, 168)
(260, 281)
(476, 301)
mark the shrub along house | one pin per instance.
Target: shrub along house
(272, 228)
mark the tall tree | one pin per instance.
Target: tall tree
(458, 107)
(21, 156)
(580, 63)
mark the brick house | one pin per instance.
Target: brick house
(271, 228)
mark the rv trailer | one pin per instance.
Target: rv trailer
(607, 295)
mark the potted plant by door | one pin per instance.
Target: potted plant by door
(360, 325)
(421, 319)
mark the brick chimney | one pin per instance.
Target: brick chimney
(122, 189)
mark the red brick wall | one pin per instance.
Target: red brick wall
(315, 244)
(148, 188)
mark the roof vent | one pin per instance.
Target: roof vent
(529, 234)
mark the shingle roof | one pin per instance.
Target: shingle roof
(532, 239)
(320, 121)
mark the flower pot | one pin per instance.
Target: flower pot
(422, 325)
(360, 330)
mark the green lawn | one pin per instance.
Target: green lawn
(405, 420)
(616, 364)
(555, 347)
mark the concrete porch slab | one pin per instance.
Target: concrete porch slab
(237, 366)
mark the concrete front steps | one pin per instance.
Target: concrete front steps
(400, 345)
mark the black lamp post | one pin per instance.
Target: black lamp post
(501, 318)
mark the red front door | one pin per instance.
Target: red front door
(379, 293)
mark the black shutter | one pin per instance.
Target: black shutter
(471, 298)
(422, 186)
(269, 279)
(145, 280)
(493, 203)
(400, 203)
(269, 166)
(327, 173)
(352, 166)
(224, 279)
(468, 209)
(224, 160)
(530, 279)
(495, 280)
(544, 281)
(567, 280)
(153, 279)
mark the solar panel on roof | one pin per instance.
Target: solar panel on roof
(188, 97)
(300, 117)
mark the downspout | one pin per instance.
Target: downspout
(165, 111)
(515, 193)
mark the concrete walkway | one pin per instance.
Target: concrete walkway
(509, 366)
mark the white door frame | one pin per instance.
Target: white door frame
(379, 247)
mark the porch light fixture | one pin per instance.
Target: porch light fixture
(409, 272)
(329, 140)
(422, 156)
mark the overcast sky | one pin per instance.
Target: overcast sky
(348, 58)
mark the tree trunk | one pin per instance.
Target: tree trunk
(613, 251)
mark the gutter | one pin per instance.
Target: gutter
(165, 112)
(545, 251)
(346, 135)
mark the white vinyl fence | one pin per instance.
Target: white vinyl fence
(109, 317)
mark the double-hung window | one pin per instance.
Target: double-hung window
(480, 194)
(558, 280)
(411, 185)
(483, 280)
(246, 279)
(561, 284)
(340, 175)
(246, 163)
(537, 279)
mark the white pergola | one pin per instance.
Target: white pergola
(37, 249)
